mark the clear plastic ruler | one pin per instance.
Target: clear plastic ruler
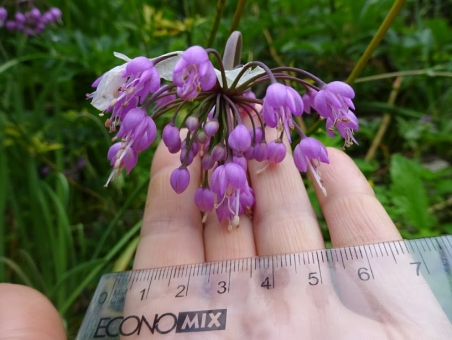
(400, 289)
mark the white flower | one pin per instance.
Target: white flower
(231, 75)
(107, 90)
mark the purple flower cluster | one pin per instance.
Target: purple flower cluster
(224, 123)
(31, 22)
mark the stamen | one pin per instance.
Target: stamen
(236, 221)
(316, 175)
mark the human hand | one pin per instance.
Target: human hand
(283, 222)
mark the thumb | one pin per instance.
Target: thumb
(25, 313)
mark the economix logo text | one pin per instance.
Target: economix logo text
(196, 321)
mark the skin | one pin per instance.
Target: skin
(283, 222)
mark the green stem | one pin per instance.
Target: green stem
(387, 22)
(216, 22)
(425, 72)
(237, 16)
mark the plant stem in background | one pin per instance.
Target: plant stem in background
(237, 16)
(425, 72)
(216, 22)
(385, 121)
(387, 22)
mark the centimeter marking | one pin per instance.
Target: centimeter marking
(336, 256)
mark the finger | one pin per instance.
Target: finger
(222, 244)
(172, 230)
(284, 220)
(352, 212)
(27, 314)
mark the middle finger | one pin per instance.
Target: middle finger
(284, 220)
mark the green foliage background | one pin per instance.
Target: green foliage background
(60, 229)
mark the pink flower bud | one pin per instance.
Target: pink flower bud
(180, 178)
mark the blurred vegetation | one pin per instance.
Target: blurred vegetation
(60, 229)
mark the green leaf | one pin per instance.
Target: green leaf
(408, 192)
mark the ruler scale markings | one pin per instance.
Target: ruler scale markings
(401, 248)
(445, 244)
(342, 258)
(113, 289)
(345, 252)
(295, 262)
(406, 246)
(445, 247)
(304, 261)
(368, 262)
(133, 280)
(395, 247)
(426, 243)
(229, 276)
(290, 260)
(149, 287)
(448, 241)
(411, 245)
(422, 257)
(386, 249)
(320, 270)
(171, 274)
(381, 251)
(210, 271)
(188, 282)
(321, 253)
(360, 252)
(376, 252)
(273, 272)
(433, 245)
(335, 252)
(166, 273)
(313, 259)
(423, 248)
(393, 256)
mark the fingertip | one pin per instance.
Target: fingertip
(353, 214)
(26, 313)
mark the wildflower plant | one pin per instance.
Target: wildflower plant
(25, 17)
(225, 122)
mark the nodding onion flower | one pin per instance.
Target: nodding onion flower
(225, 120)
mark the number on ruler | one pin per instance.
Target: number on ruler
(363, 274)
(223, 288)
(142, 294)
(418, 266)
(266, 283)
(313, 280)
(182, 289)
